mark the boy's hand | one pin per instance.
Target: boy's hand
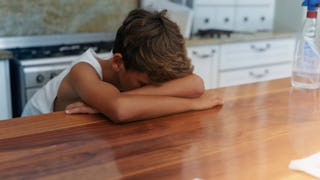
(207, 100)
(80, 107)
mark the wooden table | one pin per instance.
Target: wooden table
(258, 131)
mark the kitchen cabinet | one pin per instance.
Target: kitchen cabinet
(254, 61)
(256, 53)
(205, 61)
(224, 18)
(233, 63)
(252, 18)
(217, 17)
(254, 15)
(236, 15)
(251, 75)
(204, 19)
(5, 92)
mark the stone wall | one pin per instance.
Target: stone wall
(39, 17)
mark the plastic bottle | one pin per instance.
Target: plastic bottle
(306, 64)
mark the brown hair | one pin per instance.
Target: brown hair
(152, 44)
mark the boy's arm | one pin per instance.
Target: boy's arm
(120, 107)
(188, 86)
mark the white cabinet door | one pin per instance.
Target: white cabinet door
(204, 18)
(256, 53)
(254, 15)
(248, 62)
(213, 17)
(263, 21)
(254, 18)
(204, 59)
(5, 93)
(225, 18)
(251, 75)
(244, 19)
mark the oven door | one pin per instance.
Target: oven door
(36, 77)
(30, 75)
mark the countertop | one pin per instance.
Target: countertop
(238, 37)
(254, 135)
(5, 55)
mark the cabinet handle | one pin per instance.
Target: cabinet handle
(204, 55)
(258, 76)
(260, 49)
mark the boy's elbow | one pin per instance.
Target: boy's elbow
(118, 115)
(198, 85)
(199, 90)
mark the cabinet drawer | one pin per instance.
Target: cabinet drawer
(251, 75)
(256, 53)
(204, 60)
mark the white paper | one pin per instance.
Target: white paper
(309, 165)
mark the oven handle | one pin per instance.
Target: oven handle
(48, 61)
(44, 68)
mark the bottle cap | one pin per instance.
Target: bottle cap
(311, 4)
(312, 14)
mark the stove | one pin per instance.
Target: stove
(37, 59)
(214, 33)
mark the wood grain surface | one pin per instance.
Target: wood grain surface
(256, 133)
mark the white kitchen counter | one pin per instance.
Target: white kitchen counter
(241, 58)
(237, 37)
(5, 55)
(5, 90)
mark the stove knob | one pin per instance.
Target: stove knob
(206, 20)
(52, 75)
(40, 78)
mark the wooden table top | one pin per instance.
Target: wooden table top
(254, 135)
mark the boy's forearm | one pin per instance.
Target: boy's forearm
(139, 107)
(125, 108)
(189, 86)
(136, 107)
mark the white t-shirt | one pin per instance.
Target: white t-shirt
(42, 101)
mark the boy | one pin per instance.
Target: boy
(149, 75)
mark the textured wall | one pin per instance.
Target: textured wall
(35, 17)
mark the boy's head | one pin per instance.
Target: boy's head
(152, 44)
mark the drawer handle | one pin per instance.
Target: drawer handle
(259, 76)
(260, 49)
(204, 55)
